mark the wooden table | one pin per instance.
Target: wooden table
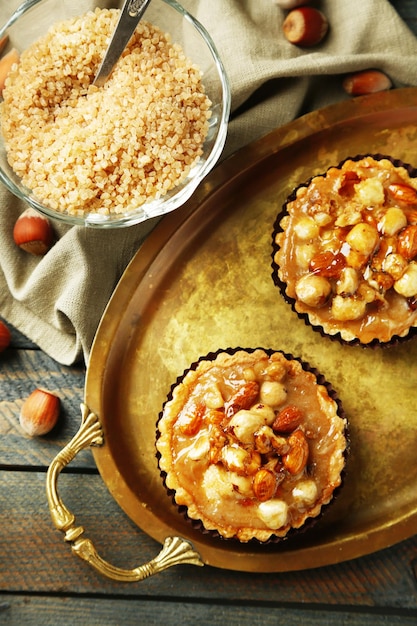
(42, 582)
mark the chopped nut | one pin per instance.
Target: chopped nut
(407, 242)
(306, 229)
(356, 259)
(296, 458)
(288, 419)
(274, 513)
(305, 492)
(392, 221)
(244, 397)
(381, 281)
(363, 238)
(304, 253)
(239, 460)
(266, 441)
(200, 448)
(348, 282)
(244, 423)
(217, 440)
(264, 485)
(266, 411)
(403, 193)
(407, 285)
(322, 218)
(214, 398)
(272, 393)
(313, 290)
(412, 216)
(276, 370)
(190, 420)
(348, 308)
(370, 192)
(394, 264)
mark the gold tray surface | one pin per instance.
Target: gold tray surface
(202, 281)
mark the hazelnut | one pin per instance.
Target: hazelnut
(305, 26)
(33, 232)
(366, 82)
(5, 336)
(39, 412)
(313, 290)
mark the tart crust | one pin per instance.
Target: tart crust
(251, 444)
(345, 251)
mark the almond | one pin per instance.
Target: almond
(411, 215)
(264, 485)
(190, 420)
(296, 459)
(288, 419)
(403, 193)
(407, 242)
(244, 398)
(39, 412)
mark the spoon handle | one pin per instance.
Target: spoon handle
(130, 16)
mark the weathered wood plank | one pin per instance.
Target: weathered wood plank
(21, 371)
(35, 558)
(18, 339)
(30, 610)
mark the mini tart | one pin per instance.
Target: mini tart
(252, 444)
(345, 251)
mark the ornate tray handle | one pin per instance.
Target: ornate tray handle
(175, 550)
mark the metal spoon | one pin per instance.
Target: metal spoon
(130, 16)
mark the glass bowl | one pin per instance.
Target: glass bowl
(33, 18)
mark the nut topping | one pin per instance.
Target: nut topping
(264, 485)
(403, 193)
(296, 459)
(190, 421)
(288, 419)
(407, 242)
(244, 397)
(352, 277)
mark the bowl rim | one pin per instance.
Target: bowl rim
(148, 210)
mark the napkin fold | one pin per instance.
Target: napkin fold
(57, 300)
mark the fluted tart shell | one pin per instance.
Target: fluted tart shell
(251, 444)
(345, 251)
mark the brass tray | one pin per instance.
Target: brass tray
(202, 281)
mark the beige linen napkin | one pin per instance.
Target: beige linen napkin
(58, 300)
